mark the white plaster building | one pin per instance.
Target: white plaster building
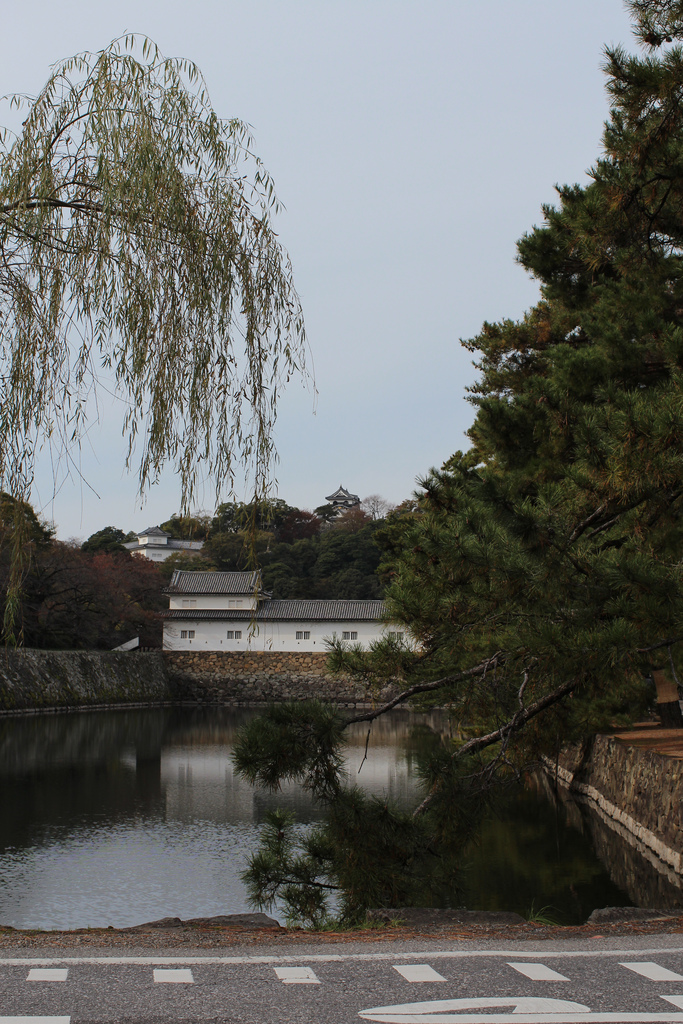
(157, 545)
(229, 611)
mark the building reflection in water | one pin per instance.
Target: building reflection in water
(125, 816)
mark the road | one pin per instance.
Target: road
(430, 981)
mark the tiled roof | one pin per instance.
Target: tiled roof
(341, 494)
(153, 531)
(289, 611)
(184, 582)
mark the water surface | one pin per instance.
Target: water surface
(120, 817)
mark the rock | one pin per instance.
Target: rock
(235, 921)
(245, 921)
(428, 917)
(609, 915)
(164, 922)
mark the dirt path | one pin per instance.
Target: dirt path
(651, 736)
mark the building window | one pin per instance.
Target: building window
(303, 634)
(234, 604)
(189, 602)
(190, 634)
(234, 634)
(346, 635)
(183, 634)
(231, 634)
(396, 636)
(354, 635)
(238, 634)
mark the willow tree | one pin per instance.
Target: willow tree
(138, 255)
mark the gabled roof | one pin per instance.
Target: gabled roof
(184, 582)
(341, 494)
(288, 611)
(153, 531)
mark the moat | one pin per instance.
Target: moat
(120, 817)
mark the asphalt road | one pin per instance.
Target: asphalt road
(632, 979)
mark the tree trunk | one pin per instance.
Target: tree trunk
(668, 706)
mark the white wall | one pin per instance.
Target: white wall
(265, 636)
(215, 601)
(157, 549)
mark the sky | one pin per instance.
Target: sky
(412, 143)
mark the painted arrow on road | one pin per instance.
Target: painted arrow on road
(525, 1010)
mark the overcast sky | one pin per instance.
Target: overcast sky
(412, 143)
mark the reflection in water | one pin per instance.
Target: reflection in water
(126, 816)
(538, 861)
(647, 880)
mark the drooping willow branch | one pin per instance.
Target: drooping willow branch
(138, 254)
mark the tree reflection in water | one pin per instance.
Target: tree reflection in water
(119, 817)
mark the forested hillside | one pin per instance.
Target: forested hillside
(301, 555)
(97, 595)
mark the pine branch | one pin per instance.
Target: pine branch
(581, 527)
(477, 670)
(518, 720)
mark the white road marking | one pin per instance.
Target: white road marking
(48, 974)
(35, 1020)
(525, 1010)
(531, 1018)
(418, 972)
(676, 1000)
(330, 958)
(653, 971)
(538, 972)
(179, 976)
(297, 975)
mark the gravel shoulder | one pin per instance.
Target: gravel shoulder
(206, 936)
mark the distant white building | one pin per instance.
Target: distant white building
(229, 611)
(157, 545)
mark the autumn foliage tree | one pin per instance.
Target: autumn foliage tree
(78, 597)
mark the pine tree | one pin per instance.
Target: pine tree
(539, 575)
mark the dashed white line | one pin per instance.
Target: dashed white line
(652, 971)
(297, 975)
(538, 972)
(177, 976)
(48, 974)
(35, 1020)
(418, 972)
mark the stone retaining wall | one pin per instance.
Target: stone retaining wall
(253, 677)
(32, 680)
(638, 792)
(41, 680)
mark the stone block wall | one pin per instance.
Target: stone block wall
(41, 680)
(253, 677)
(637, 791)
